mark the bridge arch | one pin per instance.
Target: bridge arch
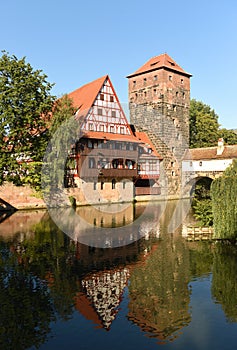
(191, 185)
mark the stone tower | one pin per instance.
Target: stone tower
(159, 100)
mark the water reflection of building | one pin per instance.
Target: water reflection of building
(102, 294)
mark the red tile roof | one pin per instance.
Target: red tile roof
(110, 136)
(158, 62)
(143, 137)
(84, 97)
(208, 153)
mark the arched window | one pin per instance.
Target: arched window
(113, 184)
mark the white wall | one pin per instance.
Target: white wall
(206, 165)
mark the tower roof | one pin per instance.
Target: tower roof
(158, 62)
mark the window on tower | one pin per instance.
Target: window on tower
(155, 77)
(170, 77)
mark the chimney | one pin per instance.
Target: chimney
(220, 147)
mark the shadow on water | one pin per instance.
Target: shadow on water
(46, 276)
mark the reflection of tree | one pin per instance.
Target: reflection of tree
(201, 258)
(50, 255)
(224, 283)
(26, 310)
(159, 296)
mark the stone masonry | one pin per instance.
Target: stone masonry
(159, 100)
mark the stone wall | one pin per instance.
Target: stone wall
(19, 197)
(160, 107)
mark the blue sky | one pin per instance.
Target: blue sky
(75, 42)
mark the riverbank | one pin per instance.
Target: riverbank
(25, 198)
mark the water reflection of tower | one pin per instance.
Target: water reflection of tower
(158, 290)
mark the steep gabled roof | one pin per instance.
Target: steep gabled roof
(84, 97)
(143, 137)
(158, 62)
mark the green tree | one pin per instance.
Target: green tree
(62, 111)
(25, 105)
(204, 127)
(223, 194)
(229, 136)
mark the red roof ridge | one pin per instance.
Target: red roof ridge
(84, 97)
(158, 62)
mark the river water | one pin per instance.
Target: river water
(141, 287)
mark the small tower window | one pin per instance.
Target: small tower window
(134, 83)
(144, 80)
(182, 81)
(183, 95)
(170, 77)
(113, 184)
(144, 93)
(177, 94)
(155, 91)
(155, 77)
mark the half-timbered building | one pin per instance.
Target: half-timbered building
(112, 162)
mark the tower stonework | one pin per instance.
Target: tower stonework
(159, 100)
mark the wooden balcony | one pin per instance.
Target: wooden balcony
(124, 173)
(110, 173)
(109, 153)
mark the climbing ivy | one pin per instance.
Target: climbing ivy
(224, 203)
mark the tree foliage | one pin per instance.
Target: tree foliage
(229, 136)
(203, 125)
(224, 194)
(25, 104)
